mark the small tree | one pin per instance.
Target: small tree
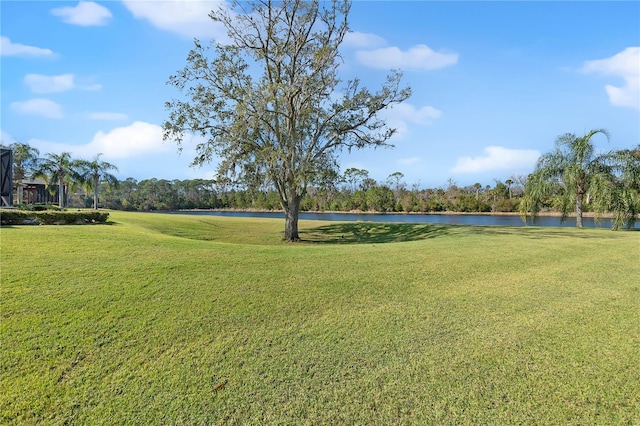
(574, 169)
(25, 160)
(96, 171)
(509, 182)
(268, 102)
(354, 177)
(622, 194)
(58, 171)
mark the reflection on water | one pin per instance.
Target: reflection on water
(451, 219)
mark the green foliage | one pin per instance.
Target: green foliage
(38, 207)
(571, 172)
(51, 217)
(59, 171)
(25, 159)
(287, 125)
(160, 319)
(94, 172)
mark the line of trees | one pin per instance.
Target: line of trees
(61, 173)
(570, 179)
(363, 195)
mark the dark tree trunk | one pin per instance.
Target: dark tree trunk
(291, 219)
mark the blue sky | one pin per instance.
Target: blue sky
(494, 83)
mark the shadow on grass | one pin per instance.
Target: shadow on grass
(372, 232)
(379, 232)
(546, 232)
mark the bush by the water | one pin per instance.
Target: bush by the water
(21, 217)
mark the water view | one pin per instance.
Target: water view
(450, 219)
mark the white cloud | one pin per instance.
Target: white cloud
(363, 40)
(407, 112)
(85, 13)
(8, 48)
(400, 116)
(43, 107)
(56, 83)
(419, 57)
(49, 83)
(625, 65)
(188, 18)
(137, 139)
(106, 116)
(498, 158)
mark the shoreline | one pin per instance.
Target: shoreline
(444, 213)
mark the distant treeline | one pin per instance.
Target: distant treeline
(364, 195)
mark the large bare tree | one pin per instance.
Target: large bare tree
(269, 102)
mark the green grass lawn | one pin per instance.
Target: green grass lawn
(166, 319)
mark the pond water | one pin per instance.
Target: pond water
(451, 219)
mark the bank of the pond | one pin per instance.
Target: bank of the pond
(449, 218)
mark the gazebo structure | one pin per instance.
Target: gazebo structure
(34, 191)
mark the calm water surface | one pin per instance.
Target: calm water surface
(451, 219)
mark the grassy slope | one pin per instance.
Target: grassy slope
(159, 319)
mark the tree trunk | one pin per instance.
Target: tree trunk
(20, 192)
(95, 196)
(579, 197)
(291, 219)
(61, 194)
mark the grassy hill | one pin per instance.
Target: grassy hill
(167, 319)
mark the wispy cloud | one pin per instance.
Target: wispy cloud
(43, 107)
(49, 83)
(401, 116)
(624, 65)
(8, 48)
(360, 40)
(186, 18)
(497, 158)
(85, 13)
(418, 57)
(107, 116)
(409, 161)
(6, 139)
(56, 83)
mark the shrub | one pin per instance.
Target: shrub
(20, 217)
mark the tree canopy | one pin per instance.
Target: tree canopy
(269, 104)
(574, 173)
(96, 171)
(58, 170)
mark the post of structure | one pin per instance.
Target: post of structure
(6, 177)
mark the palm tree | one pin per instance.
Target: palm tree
(572, 171)
(58, 171)
(96, 171)
(622, 195)
(509, 182)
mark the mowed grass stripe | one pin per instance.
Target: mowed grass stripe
(161, 319)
